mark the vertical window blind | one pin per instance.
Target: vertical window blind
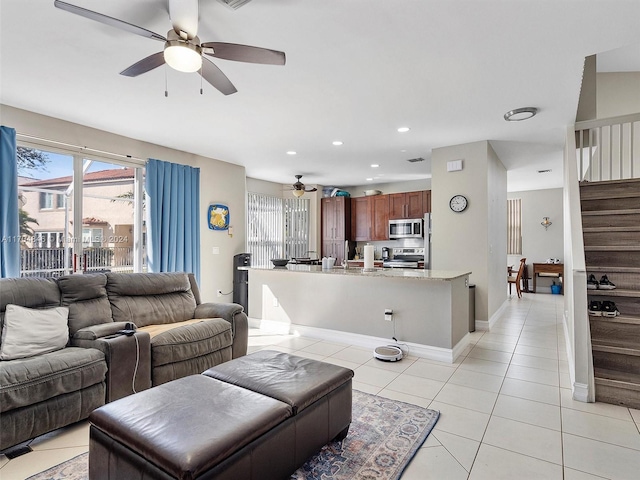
(514, 226)
(276, 228)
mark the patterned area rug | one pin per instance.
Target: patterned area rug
(383, 438)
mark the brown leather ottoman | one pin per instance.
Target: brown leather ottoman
(200, 427)
(319, 393)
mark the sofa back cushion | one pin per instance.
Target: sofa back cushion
(31, 292)
(86, 297)
(150, 298)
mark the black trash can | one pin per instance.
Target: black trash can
(472, 308)
(241, 280)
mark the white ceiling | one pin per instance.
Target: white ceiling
(356, 71)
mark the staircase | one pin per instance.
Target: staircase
(611, 230)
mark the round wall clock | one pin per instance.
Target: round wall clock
(458, 203)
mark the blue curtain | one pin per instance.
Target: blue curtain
(9, 222)
(173, 214)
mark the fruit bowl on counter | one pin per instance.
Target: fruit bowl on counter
(279, 262)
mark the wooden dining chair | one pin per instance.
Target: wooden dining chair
(517, 279)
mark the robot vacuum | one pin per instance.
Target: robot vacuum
(388, 353)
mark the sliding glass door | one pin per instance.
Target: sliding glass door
(79, 214)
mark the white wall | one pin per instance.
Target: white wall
(220, 182)
(470, 240)
(618, 93)
(497, 231)
(539, 244)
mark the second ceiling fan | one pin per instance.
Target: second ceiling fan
(183, 50)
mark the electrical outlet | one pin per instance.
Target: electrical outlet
(275, 302)
(219, 293)
(388, 314)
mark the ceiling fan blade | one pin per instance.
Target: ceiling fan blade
(311, 189)
(244, 53)
(113, 22)
(184, 16)
(144, 65)
(215, 77)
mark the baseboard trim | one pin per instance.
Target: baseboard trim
(486, 325)
(439, 354)
(580, 392)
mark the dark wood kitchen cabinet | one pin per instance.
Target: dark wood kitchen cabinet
(336, 226)
(406, 205)
(426, 201)
(370, 218)
(380, 218)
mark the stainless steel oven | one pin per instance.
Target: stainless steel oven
(406, 228)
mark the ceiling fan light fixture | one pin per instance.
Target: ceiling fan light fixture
(298, 193)
(183, 56)
(520, 114)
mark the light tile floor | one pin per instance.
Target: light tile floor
(506, 408)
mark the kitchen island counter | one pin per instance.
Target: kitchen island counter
(413, 273)
(430, 307)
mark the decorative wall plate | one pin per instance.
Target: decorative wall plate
(218, 217)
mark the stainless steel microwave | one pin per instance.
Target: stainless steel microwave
(406, 228)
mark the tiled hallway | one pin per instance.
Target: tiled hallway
(506, 407)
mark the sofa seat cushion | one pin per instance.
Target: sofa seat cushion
(185, 340)
(187, 426)
(31, 380)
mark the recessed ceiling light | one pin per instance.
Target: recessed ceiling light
(402, 151)
(337, 143)
(291, 152)
(403, 129)
(374, 165)
(520, 114)
(369, 179)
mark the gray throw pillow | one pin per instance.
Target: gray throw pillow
(28, 332)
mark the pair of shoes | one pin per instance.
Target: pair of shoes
(603, 309)
(603, 284)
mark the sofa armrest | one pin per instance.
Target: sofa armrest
(100, 330)
(128, 358)
(232, 313)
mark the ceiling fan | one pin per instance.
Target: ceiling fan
(182, 48)
(299, 188)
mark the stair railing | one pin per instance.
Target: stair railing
(608, 148)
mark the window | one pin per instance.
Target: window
(514, 226)
(276, 228)
(91, 237)
(48, 239)
(51, 200)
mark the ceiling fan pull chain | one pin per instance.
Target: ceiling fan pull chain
(166, 83)
(200, 81)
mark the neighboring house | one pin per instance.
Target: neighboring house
(104, 218)
(107, 215)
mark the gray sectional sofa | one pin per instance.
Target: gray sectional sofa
(176, 335)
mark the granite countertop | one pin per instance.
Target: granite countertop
(415, 273)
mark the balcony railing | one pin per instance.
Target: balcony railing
(608, 149)
(50, 262)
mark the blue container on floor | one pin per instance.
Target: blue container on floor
(555, 289)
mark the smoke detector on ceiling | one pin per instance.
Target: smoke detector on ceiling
(235, 4)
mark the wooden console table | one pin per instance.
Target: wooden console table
(550, 269)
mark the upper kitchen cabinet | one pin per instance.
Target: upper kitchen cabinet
(336, 226)
(426, 201)
(370, 218)
(409, 204)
